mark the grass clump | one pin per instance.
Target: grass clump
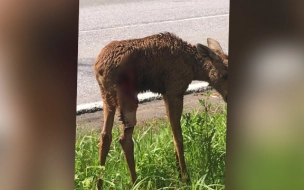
(204, 134)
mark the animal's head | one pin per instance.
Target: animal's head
(216, 64)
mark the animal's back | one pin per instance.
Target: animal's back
(161, 62)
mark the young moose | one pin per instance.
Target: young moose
(163, 64)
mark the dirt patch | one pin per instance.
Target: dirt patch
(149, 110)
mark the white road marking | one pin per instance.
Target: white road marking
(158, 22)
(148, 96)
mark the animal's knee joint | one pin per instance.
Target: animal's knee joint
(127, 136)
(124, 141)
(121, 140)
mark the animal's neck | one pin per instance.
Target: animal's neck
(200, 67)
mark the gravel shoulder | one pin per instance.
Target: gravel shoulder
(149, 110)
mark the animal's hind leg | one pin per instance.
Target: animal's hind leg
(128, 117)
(106, 133)
(128, 103)
(128, 148)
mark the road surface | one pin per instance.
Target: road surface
(102, 21)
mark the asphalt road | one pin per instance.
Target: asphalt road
(102, 21)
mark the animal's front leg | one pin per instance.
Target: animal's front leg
(174, 108)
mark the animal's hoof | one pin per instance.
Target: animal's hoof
(99, 185)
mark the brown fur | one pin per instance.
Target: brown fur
(164, 64)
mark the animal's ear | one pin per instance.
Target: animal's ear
(214, 45)
(204, 51)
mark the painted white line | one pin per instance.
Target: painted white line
(144, 97)
(157, 22)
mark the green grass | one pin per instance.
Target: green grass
(204, 135)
